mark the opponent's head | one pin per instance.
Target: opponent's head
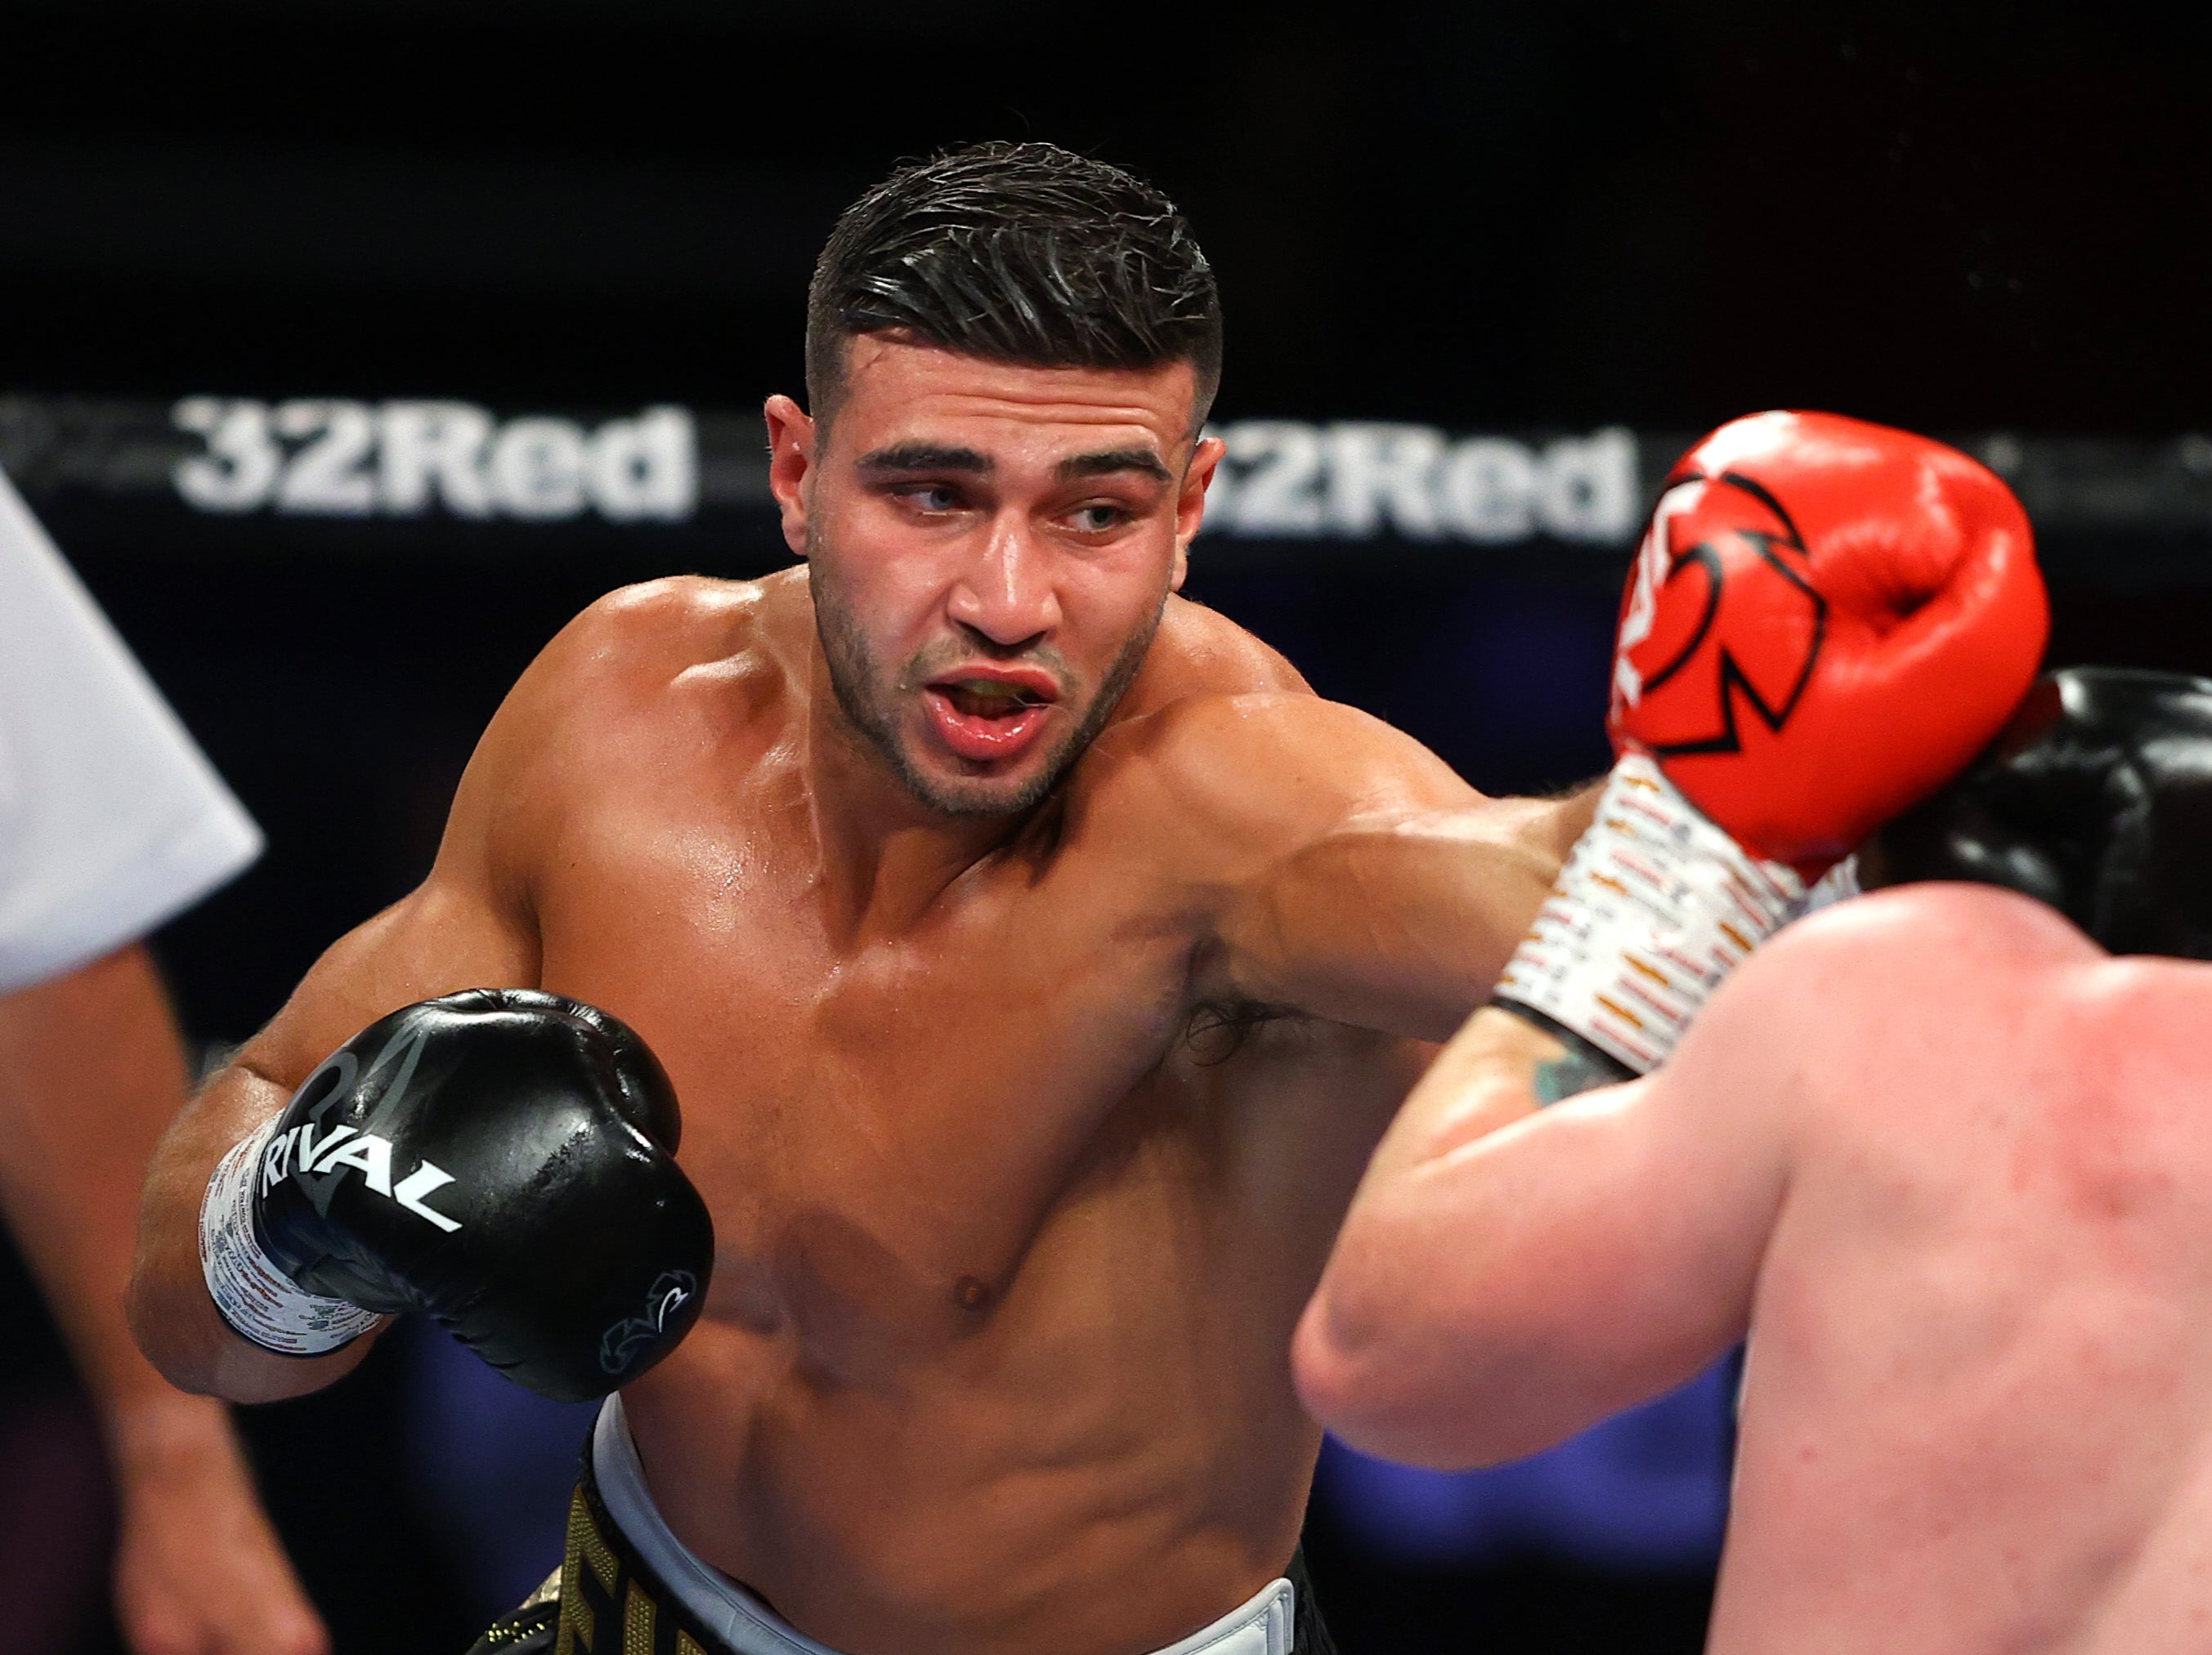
(1010, 353)
(2097, 799)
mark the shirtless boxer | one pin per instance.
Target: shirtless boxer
(1942, 1155)
(1939, 1152)
(1036, 959)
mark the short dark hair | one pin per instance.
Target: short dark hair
(1018, 252)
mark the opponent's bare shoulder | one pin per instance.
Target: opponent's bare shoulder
(1869, 1004)
(1931, 945)
(1947, 1013)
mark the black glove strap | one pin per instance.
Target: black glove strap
(1582, 1068)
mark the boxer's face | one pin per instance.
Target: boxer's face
(992, 546)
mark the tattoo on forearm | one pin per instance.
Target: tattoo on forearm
(1580, 1066)
(1573, 1071)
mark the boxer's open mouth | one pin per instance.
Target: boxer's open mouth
(992, 712)
(988, 698)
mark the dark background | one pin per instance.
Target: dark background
(1957, 218)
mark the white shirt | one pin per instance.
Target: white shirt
(111, 819)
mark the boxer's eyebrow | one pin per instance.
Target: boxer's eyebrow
(1107, 461)
(926, 456)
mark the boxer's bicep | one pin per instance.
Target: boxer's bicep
(438, 939)
(1401, 919)
(469, 924)
(1376, 888)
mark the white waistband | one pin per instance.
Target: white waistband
(1261, 1626)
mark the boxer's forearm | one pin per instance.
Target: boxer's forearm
(1402, 920)
(1490, 1075)
(176, 1322)
(445, 936)
(1493, 1301)
(1505, 1277)
(1407, 1320)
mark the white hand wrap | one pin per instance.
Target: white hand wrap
(1655, 906)
(258, 1301)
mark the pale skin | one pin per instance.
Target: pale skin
(91, 1072)
(1944, 1159)
(1013, 1230)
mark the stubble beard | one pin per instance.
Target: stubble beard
(858, 686)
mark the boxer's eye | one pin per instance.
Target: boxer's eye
(1098, 518)
(930, 497)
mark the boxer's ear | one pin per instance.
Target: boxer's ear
(791, 438)
(1190, 502)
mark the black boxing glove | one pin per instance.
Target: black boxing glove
(2097, 799)
(501, 1161)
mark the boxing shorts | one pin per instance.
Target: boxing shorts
(628, 1586)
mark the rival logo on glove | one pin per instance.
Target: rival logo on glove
(302, 1150)
(347, 1146)
(671, 1291)
(1700, 626)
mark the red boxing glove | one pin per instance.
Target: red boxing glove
(1828, 619)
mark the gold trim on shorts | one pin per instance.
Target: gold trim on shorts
(609, 1605)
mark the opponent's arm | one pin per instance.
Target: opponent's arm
(1912, 616)
(1492, 1292)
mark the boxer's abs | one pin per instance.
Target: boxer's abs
(1086, 1441)
(1110, 1504)
(1010, 1237)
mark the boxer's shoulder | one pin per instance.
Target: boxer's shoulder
(650, 632)
(1217, 725)
(644, 675)
(1199, 651)
(1222, 778)
(633, 653)
(1865, 984)
(1961, 935)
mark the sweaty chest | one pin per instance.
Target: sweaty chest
(890, 1116)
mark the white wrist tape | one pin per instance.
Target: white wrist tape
(1840, 884)
(257, 1299)
(1655, 906)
